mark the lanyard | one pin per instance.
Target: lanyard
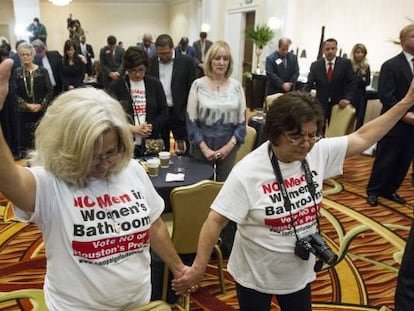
(282, 187)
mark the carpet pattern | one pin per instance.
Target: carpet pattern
(368, 240)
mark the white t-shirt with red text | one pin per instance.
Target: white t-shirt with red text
(96, 239)
(263, 256)
(139, 105)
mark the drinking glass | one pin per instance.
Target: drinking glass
(180, 147)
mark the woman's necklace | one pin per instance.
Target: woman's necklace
(28, 86)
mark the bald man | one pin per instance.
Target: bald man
(282, 69)
(148, 45)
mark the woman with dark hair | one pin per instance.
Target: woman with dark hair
(274, 194)
(142, 97)
(73, 66)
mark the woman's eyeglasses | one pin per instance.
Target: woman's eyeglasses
(298, 140)
(108, 156)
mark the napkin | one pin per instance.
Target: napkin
(174, 177)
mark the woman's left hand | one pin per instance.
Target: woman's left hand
(223, 152)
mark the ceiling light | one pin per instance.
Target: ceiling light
(60, 2)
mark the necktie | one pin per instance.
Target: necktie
(330, 72)
(285, 63)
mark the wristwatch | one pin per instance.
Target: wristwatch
(233, 140)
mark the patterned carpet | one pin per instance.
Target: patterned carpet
(368, 240)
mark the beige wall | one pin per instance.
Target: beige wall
(127, 21)
(372, 22)
(7, 18)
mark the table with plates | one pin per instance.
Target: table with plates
(194, 171)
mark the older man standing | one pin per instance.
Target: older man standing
(148, 45)
(395, 150)
(282, 69)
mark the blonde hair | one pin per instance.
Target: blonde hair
(66, 137)
(363, 64)
(212, 53)
(405, 31)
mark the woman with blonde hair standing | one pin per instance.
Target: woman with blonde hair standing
(216, 121)
(363, 76)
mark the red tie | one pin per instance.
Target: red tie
(330, 72)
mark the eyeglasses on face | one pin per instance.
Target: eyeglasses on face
(108, 156)
(299, 139)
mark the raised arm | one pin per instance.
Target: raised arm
(374, 130)
(16, 183)
(209, 235)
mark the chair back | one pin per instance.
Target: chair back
(190, 206)
(248, 144)
(270, 98)
(342, 121)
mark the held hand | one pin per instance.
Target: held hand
(5, 69)
(188, 282)
(343, 103)
(209, 154)
(145, 130)
(287, 86)
(224, 151)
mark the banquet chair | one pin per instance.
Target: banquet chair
(270, 99)
(342, 121)
(248, 144)
(190, 206)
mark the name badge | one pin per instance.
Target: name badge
(279, 61)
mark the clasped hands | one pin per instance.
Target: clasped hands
(187, 281)
(144, 129)
(214, 155)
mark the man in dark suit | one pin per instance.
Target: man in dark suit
(110, 60)
(52, 62)
(282, 69)
(396, 149)
(176, 73)
(333, 78)
(147, 45)
(201, 47)
(86, 50)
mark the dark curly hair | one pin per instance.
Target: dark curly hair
(289, 112)
(135, 56)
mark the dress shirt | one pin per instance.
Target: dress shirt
(409, 58)
(166, 70)
(47, 66)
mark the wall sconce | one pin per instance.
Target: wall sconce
(275, 23)
(205, 28)
(60, 2)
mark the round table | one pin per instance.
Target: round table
(194, 172)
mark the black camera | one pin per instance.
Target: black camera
(316, 245)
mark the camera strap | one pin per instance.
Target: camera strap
(286, 201)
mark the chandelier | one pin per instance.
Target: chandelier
(60, 2)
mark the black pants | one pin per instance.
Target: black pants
(251, 300)
(176, 126)
(392, 161)
(404, 293)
